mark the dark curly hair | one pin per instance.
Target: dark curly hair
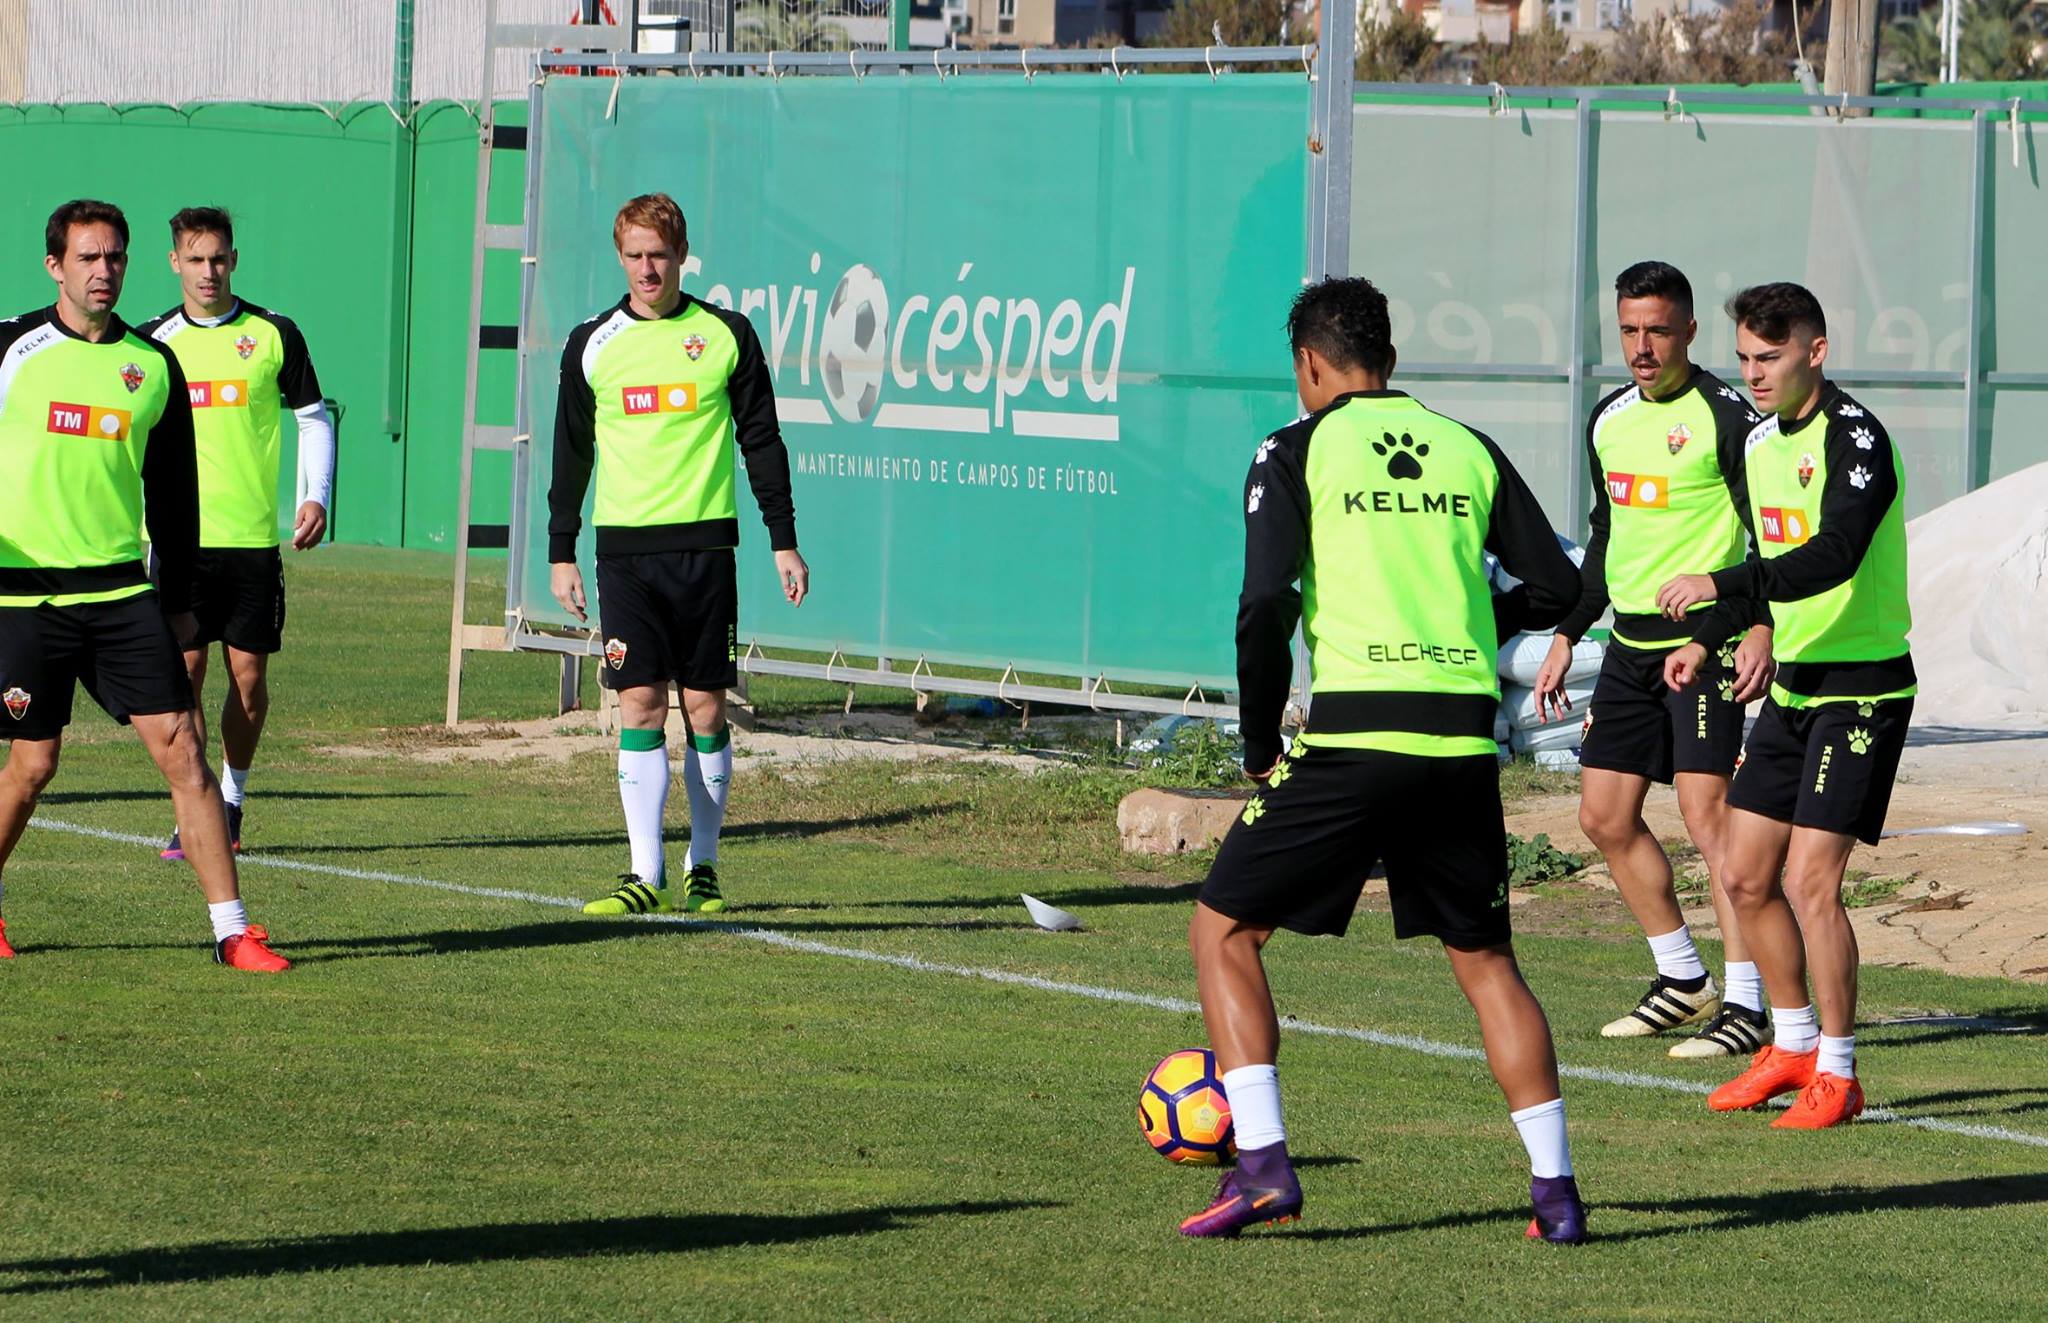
(1779, 311)
(1343, 318)
(1655, 280)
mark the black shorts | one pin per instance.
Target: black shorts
(1830, 766)
(1637, 725)
(238, 598)
(121, 651)
(669, 615)
(1298, 856)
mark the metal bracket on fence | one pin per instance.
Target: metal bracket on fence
(1497, 100)
(1673, 107)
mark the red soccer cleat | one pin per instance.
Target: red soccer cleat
(246, 950)
(6, 951)
(1829, 1101)
(1771, 1072)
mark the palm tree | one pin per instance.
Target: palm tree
(787, 25)
(2002, 40)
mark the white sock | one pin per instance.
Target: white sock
(1745, 986)
(708, 778)
(233, 782)
(1542, 1129)
(1254, 1094)
(1795, 1028)
(643, 792)
(1837, 1056)
(229, 917)
(1676, 956)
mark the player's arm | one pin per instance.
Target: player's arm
(1861, 487)
(1521, 536)
(575, 457)
(751, 392)
(1731, 615)
(298, 387)
(1269, 607)
(1592, 603)
(170, 492)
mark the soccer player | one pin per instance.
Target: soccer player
(654, 390)
(96, 431)
(1816, 775)
(244, 366)
(1665, 454)
(1382, 511)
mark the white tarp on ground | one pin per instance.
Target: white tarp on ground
(1976, 570)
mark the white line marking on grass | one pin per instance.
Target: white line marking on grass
(769, 937)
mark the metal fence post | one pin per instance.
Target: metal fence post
(1576, 476)
(1976, 444)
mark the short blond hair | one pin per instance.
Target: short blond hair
(657, 212)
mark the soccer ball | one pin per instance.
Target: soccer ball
(1183, 1112)
(853, 345)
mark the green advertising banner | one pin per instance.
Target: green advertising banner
(1025, 335)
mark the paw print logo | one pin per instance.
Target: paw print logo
(1848, 411)
(1402, 455)
(1727, 655)
(1252, 498)
(1859, 740)
(1281, 771)
(1863, 438)
(1727, 691)
(1859, 477)
(1254, 810)
(1732, 393)
(1265, 449)
(1866, 710)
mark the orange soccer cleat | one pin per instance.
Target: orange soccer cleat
(6, 951)
(1829, 1101)
(1771, 1072)
(246, 950)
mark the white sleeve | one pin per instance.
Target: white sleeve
(316, 455)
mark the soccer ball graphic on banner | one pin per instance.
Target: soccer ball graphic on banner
(853, 344)
(1183, 1112)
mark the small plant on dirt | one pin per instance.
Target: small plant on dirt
(1860, 890)
(1537, 860)
(1201, 757)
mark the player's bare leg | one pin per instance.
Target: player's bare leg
(31, 764)
(1739, 1028)
(1523, 1059)
(172, 739)
(195, 671)
(1754, 857)
(242, 715)
(1237, 1006)
(707, 776)
(1814, 864)
(1611, 815)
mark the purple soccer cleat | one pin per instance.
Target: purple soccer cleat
(1560, 1213)
(1261, 1189)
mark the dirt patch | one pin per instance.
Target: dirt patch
(810, 742)
(1969, 905)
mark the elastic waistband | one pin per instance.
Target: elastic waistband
(41, 581)
(700, 535)
(1655, 628)
(1344, 712)
(1847, 679)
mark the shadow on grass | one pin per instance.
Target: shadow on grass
(1738, 1212)
(158, 794)
(571, 932)
(793, 830)
(1770, 1208)
(223, 1260)
(2017, 1022)
(2025, 1099)
(1079, 898)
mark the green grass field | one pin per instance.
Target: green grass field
(465, 1106)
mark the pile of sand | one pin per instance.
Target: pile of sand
(1980, 613)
